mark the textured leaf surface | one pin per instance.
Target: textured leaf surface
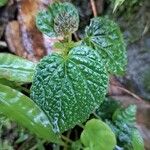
(23, 110)
(98, 136)
(69, 88)
(137, 141)
(15, 68)
(103, 112)
(59, 20)
(126, 115)
(104, 35)
(123, 125)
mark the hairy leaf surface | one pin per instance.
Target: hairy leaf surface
(68, 88)
(104, 35)
(98, 136)
(24, 111)
(59, 20)
(15, 68)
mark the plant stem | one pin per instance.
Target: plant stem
(66, 139)
(93, 8)
(25, 89)
(81, 125)
(96, 115)
(70, 38)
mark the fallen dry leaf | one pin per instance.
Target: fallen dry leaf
(22, 36)
(7, 13)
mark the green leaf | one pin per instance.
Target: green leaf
(3, 2)
(125, 115)
(68, 88)
(98, 136)
(107, 108)
(10, 83)
(104, 35)
(117, 3)
(137, 141)
(24, 111)
(15, 68)
(61, 19)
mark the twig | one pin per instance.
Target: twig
(93, 8)
(76, 37)
(129, 92)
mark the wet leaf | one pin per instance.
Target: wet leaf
(59, 20)
(24, 111)
(15, 68)
(68, 88)
(98, 136)
(104, 35)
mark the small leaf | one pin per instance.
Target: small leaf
(98, 136)
(59, 20)
(123, 125)
(15, 68)
(137, 141)
(24, 111)
(68, 88)
(104, 35)
(3, 2)
(125, 115)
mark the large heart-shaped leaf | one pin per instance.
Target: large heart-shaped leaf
(98, 136)
(59, 20)
(104, 35)
(24, 111)
(15, 68)
(68, 88)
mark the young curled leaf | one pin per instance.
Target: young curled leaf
(69, 88)
(104, 36)
(59, 20)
